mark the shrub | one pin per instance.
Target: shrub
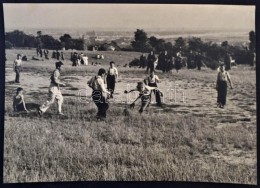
(8, 45)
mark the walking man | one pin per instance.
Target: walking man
(112, 78)
(54, 91)
(98, 94)
(17, 68)
(221, 86)
(152, 81)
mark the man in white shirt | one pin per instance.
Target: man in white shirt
(112, 78)
(152, 81)
(54, 91)
(99, 93)
(85, 59)
(17, 68)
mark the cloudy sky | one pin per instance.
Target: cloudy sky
(132, 16)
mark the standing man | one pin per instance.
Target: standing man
(151, 60)
(40, 50)
(227, 61)
(178, 62)
(152, 81)
(18, 67)
(54, 91)
(112, 78)
(221, 86)
(62, 56)
(198, 60)
(98, 94)
(58, 55)
(142, 61)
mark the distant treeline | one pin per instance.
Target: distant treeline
(19, 39)
(142, 43)
(212, 52)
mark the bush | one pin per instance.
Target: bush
(211, 63)
(134, 63)
(8, 45)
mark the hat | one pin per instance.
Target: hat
(59, 63)
(140, 84)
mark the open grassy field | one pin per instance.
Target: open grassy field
(189, 139)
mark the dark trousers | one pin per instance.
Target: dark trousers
(17, 72)
(100, 102)
(111, 82)
(145, 101)
(156, 93)
(20, 107)
(222, 92)
(150, 67)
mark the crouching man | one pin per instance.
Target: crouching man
(54, 91)
(144, 94)
(18, 101)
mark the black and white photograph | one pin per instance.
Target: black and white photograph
(130, 92)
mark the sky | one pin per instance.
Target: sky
(131, 16)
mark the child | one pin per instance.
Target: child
(144, 95)
(18, 101)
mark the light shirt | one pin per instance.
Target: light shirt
(152, 80)
(97, 83)
(55, 77)
(85, 59)
(17, 62)
(147, 90)
(112, 71)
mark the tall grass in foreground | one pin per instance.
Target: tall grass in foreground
(134, 147)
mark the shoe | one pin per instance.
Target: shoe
(40, 112)
(60, 113)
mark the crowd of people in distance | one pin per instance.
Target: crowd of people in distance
(166, 63)
(78, 59)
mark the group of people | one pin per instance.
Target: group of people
(163, 62)
(101, 93)
(40, 52)
(57, 55)
(78, 59)
(166, 62)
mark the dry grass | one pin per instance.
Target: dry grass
(158, 145)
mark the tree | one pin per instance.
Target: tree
(153, 41)
(65, 38)
(141, 42)
(20, 39)
(180, 43)
(252, 39)
(224, 44)
(39, 33)
(50, 43)
(195, 44)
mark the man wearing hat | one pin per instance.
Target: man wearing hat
(145, 95)
(221, 86)
(54, 91)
